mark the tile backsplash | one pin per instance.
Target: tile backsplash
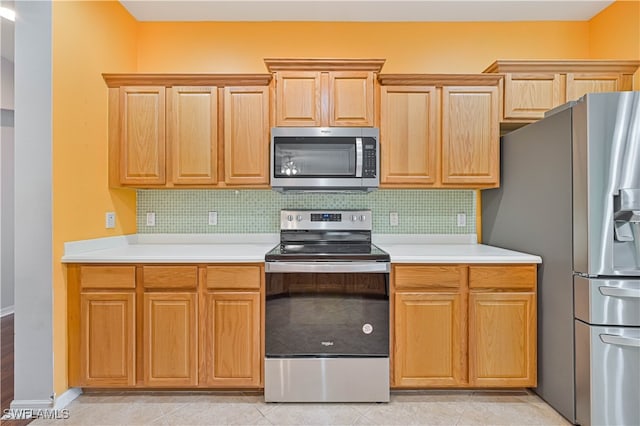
(258, 211)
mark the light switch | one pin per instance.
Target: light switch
(110, 220)
(462, 219)
(393, 219)
(213, 218)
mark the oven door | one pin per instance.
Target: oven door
(327, 309)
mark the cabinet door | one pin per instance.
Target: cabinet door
(170, 339)
(470, 135)
(142, 135)
(429, 347)
(502, 339)
(408, 135)
(351, 98)
(193, 135)
(246, 135)
(529, 96)
(580, 83)
(298, 100)
(232, 349)
(107, 339)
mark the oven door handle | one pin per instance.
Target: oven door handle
(328, 267)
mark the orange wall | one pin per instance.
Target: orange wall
(89, 38)
(614, 33)
(407, 47)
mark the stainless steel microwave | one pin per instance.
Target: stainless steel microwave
(325, 159)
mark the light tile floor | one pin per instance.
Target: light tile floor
(406, 408)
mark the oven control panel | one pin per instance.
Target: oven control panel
(325, 219)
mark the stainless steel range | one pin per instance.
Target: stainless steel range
(327, 310)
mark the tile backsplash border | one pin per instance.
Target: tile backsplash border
(257, 211)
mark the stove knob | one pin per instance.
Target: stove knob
(354, 218)
(299, 218)
(363, 218)
(290, 218)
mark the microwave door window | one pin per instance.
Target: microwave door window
(315, 160)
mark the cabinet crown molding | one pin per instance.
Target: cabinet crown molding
(563, 66)
(323, 64)
(439, 80)
(191, 79)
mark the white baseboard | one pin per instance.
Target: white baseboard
(66, 397)
(36, 404)
(7, 311)
(25, 408)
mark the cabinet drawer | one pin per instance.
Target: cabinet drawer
(234, 277)
(170, 276)
(514, 277)
(108, 276)
(417, 277)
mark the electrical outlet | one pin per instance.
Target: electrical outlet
(461, 219)
(213, 218)
(110, 220)
(151, 219)
(393, 219)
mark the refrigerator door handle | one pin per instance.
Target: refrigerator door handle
(619, 292)
(613, 339)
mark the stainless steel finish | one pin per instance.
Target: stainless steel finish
(614, 339)
(328, 267)
(303, 220)
(359, 157)
(326, 184)
(531, 212)
(607, 375)
(606, 146)
(326, 380)
(620, 292)
(607, 301)
(568, 187)
(627, 205)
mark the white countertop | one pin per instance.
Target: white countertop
(239, 248)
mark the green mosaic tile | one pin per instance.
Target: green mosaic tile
(257, 211)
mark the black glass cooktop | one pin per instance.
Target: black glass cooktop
(326, 252)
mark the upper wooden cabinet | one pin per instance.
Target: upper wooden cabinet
(324, 92)
(246, 135)
(182, 130)
(141, 132)
(533, 87)
(439, 131)
(193, 133)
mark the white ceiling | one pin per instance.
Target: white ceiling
(365, 10)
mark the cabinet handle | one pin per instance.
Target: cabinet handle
(620, 292)
(613, 339)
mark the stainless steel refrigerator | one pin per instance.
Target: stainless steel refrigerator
(570, 193)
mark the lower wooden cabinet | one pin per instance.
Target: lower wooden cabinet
(232, 336)
(107, 339)
(428, 340)
(464, 326)
(177, 326)
(502, 339)
(170, 339)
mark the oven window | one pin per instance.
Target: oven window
(314, 314)
(334, 157)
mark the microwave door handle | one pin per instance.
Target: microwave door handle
(359, 157)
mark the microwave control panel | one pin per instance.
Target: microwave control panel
(369, 163)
